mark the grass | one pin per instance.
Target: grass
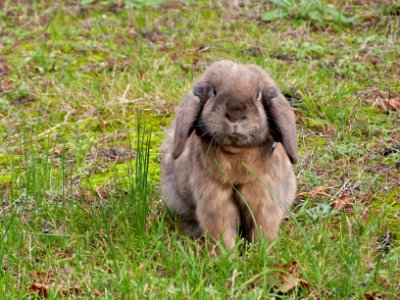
(80, 211)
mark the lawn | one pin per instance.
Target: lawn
(87, 89)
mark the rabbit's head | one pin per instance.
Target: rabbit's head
(236, 105)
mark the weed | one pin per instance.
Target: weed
(314, 11)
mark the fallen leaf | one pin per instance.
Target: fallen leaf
(102, 124)
(41, 289)
(297, 32)
(291, 280)
(387, 104)
(289, 283)
(364, 215)
(384, 101)
(376, 295)
(102, 193)
(370, 17)
(65, 254)
(5, 85)
(298, 115)
(373, 60)
(342, 201)
(73, 290)
(58, 152)
(369, 296)
(132, 32)
(4, 70)
(160, 271)
(155, 36)
(44, 277)
(293, 267)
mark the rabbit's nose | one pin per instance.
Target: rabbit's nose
(235, 112)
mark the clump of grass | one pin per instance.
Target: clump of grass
(314, 11)
(139, 190)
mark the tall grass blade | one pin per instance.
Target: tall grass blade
(139, 191)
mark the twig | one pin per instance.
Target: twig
(123, 97)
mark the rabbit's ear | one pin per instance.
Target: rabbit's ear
(281, 121)
(186, 116)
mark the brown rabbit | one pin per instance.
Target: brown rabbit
(233, 130)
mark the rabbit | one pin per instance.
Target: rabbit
(227, 159)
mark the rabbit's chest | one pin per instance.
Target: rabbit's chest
(237, 168)
(229, 165)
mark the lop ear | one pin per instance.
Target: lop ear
(281, 121)
(186, 116)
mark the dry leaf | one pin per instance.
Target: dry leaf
(387, 104)
(373, 60)
(74, 290)
(375, 295)
(4, 70)
(5, 85)
(364, 214)
(370, 17)
(293, 267)
(289, 283)
(41, 289)
(58, 152)
(102, 193)
(385, 101)
(132, 32)
(369, 296)
(342, 201)
(291, 280)
(297, 32)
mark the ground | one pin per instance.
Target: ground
(87, 89)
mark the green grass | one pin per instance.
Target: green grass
(80, 209)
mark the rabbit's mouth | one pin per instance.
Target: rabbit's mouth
(235, 139)
(235, 129)
(223, 138)
(231, 134)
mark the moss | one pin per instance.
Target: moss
(5, 179)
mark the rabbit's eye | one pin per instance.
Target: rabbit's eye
(213, 92)
(259, 95)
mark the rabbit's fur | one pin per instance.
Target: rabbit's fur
(232, 121)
